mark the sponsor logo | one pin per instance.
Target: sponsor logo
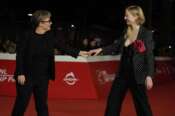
(165, 69)
(70, 79)
(4, 76)
(104, 77)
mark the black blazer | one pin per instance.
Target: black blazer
(143, 63)
(24, 53)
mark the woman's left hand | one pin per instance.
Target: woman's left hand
(149, 83)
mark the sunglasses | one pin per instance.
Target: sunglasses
(49, 21)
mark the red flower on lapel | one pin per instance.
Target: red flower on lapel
(139, 46)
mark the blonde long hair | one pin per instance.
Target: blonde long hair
(138, 12)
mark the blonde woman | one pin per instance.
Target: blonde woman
(136, 67)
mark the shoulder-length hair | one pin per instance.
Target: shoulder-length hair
(137, 11)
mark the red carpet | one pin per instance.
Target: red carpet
(162, 98)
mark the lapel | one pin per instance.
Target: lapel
(139, 36)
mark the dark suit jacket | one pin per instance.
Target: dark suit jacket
(24, 53)
(143, 63)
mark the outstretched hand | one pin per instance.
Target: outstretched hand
(84, 53)
(95, 52)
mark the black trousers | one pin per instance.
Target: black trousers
(117, 95)
(24, 92)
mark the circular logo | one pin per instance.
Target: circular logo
(70, 79)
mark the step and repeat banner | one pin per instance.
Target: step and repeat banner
(81, 78)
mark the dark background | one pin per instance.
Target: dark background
(91, 15)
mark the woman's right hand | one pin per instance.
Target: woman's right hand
(21, 79)
(95, 52)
